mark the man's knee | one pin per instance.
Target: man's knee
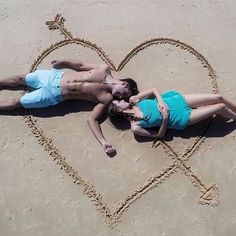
(21, 78)
(15, 102)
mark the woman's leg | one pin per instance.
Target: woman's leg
(10, 104)
(13, 81)
(205, 112)
(198, 100)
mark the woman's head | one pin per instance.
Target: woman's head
(118, 106)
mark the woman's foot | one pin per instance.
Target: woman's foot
(228, 113)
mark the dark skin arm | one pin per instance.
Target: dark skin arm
(94, 125)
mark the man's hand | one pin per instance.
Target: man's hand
(56, 64)
(134, 99)
(110, 151)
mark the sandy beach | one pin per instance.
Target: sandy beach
(55, 178)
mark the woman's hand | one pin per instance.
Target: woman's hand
(164, 109)
(109, 149)
(159, 136)
(134, 99)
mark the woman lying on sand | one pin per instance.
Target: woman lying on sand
(171, 110)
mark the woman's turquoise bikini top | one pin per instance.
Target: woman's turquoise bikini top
(179, 111)
(152, 116)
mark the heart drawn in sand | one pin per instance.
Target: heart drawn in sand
(209, 195)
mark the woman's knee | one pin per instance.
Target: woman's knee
(219, 97)
(221, 106)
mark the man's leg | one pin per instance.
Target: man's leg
(10, 104)
(13, 81)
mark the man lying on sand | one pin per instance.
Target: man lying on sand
(91, 82)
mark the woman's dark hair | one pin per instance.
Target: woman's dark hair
(112, 110)
(117, 120)
(133, 87)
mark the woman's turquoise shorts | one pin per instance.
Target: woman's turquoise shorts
(45, 89)
(179, 110)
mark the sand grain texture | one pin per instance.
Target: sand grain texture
(142, 190)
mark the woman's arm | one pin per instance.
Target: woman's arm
(94, 125)
(146, 94)
(163, 127)
(136, 129)
(149, 93)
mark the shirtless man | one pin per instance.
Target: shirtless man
(91, 82)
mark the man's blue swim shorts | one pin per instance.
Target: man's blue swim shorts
(45, 89)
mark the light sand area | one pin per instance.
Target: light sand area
(185, 186)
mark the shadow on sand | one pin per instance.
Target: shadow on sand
(61, 109)
(219, 127)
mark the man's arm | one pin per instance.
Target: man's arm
(97, 73)
(94, 125)
(77, 65)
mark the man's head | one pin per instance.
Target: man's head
(126, 89)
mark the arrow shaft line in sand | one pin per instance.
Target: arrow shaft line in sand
(153, 182)
(58, 23)
(184, 168)
(82, 42)
(192, 177)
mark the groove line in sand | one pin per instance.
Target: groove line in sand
(209, 195)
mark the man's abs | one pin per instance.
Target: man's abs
(74, 85)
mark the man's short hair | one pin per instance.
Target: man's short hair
(132, 85)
